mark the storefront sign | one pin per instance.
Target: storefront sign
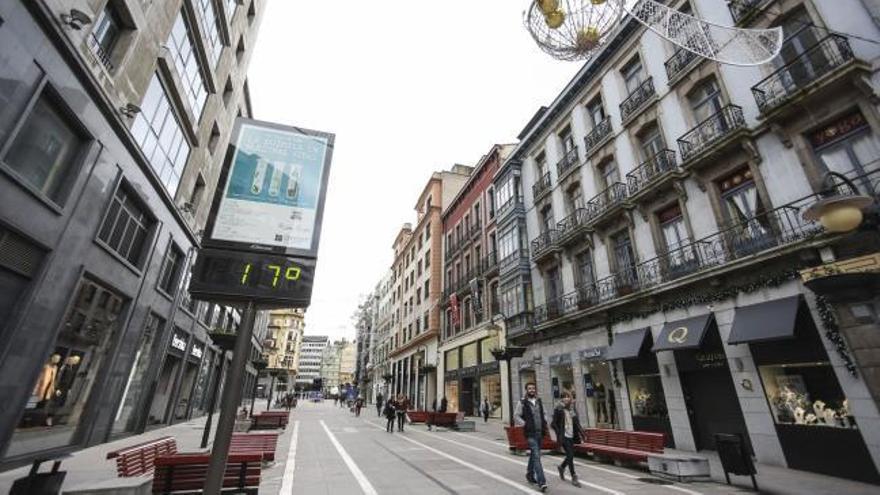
(560, 359)
(526, 365)
(678, 335)
(196, 351)
(862, 264)
(489, 367)
(593, 354)
(707, 360)
(451, 375)
(178, 342)
(468, 372)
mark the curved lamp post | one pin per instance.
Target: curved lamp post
(839, 213)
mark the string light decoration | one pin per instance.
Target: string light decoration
(577, 29)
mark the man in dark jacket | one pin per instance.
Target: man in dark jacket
(568, 432)
(379, 403)
(530, 415)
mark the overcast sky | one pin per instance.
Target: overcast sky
(408, 88)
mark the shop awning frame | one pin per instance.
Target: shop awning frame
(766, 321)
(683, 334)
(627, 345)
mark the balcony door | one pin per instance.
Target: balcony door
(750, 229)
(554, 291)
(624, 259)
(804, 60)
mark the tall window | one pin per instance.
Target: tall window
(672, 228)
(44, 153)
(624, 257)
(491, 195)
(706, 100)
(651, 142)
(633, 75)
(180, 45)
(208, 21)
(802, 62)
(567, 140)
(595, 111)
(554, 284)
(105, 35)
(574, 198)
(541, 164)
(547, 220)
(172, 266)
(848, 146)
(610, 173)
(743, 206)
(507, 245)
(160, 137)
(126, 227)
(584, 273)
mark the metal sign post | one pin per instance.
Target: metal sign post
(231, 398)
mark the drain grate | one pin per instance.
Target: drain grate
(655, 481)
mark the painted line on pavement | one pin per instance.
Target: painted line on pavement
(355, 470)
(589, 466)
(452, 458)
(290, 466)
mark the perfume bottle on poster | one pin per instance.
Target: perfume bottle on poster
(275, 180)
(259, 176)
(293, 177)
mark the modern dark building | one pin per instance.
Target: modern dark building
(114, 120)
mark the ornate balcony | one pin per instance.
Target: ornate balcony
(568, 164)
(708, 134)
(604, 204)
(574, 227)
(677, 64)
(774, 229)
(803, 74)
(546, 244)
(597, 136)
(542, 186)
(637, 99)
(741, 10)
(650, 173)
(489, 264)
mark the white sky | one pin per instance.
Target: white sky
(408, 88)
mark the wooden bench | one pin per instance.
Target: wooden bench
(442, 419)
(269, 420)
(139, 459)
(186, 473)
(260, 443)
(516, 439)
(418, 416)
(629, 446)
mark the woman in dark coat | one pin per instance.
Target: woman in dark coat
(389, 413)
(568, 432)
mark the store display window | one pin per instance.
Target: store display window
(452, 396)
(469, 355)
(806, 394)
(64, 384)
(561, 380)
(490, 386)
(646, 396)
(452, 360)
(599, 394)
(134, 390)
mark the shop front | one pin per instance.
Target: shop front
(450, 380)
(601, 407)
(811, 414)
(60, 396)
(643, 383)
(561, 376)
(134, 395)
(490, 387)
(198, 403)
(709, 394)
(174, 359)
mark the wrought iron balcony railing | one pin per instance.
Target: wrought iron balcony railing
(740, 9)
(678, 62)
(598, 134)
(544, 241)
(570, 224)
(651, 169)
(708, 132)
(490, 262)
(568, 162)
(100, 53)
(776, 228)
(822, 58)
(542, 186)
(610, 197)
(637, 98)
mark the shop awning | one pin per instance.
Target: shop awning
(627, 345)
(683, 334)
(771, 320)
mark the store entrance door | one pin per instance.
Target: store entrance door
(467, 396)
(712, 406)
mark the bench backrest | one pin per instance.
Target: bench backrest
(645, 441)
(597, 436)
(617, 438)
(187, 472)
(139, 459)
(267, 441)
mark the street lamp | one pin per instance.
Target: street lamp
(259, 364)
(273, 372)
(839, 213)
(505, 353)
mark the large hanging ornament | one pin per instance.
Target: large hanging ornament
(577, 29)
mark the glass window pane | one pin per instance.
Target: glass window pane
(18, 83)
(161, 134)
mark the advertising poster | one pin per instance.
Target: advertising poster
(272, 192)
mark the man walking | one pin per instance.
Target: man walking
(401, 411)
(530, 415)
(485, 409)
(568, 432)
(379, 404)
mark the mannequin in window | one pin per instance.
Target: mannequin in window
(45, 387)
(66, 376)
(601, 407)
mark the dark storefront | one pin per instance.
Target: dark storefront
(643, 383)
(810, 412)
(164, 393)
(709, 393)
(472, 374)
(599, 396)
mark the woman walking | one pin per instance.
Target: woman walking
(389, 416)
(402, 403)
(485, 409)
(568, 432)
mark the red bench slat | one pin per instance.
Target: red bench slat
(187, 472)
(138, 459)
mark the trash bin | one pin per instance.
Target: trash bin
(735, 457)
(37, 483)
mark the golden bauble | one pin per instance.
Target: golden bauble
(548, 6)
(841, 219)
(597, 2)
(555, 19)
(587, 38)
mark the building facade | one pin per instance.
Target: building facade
(418, 288)
(311, 355)
(664, 196)
(112, 135)
(281, 347)
(365, 319)
(467, 371)
(379, 367)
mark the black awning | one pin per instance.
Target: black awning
(771, 320)
(683, 334)
(627, 345)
